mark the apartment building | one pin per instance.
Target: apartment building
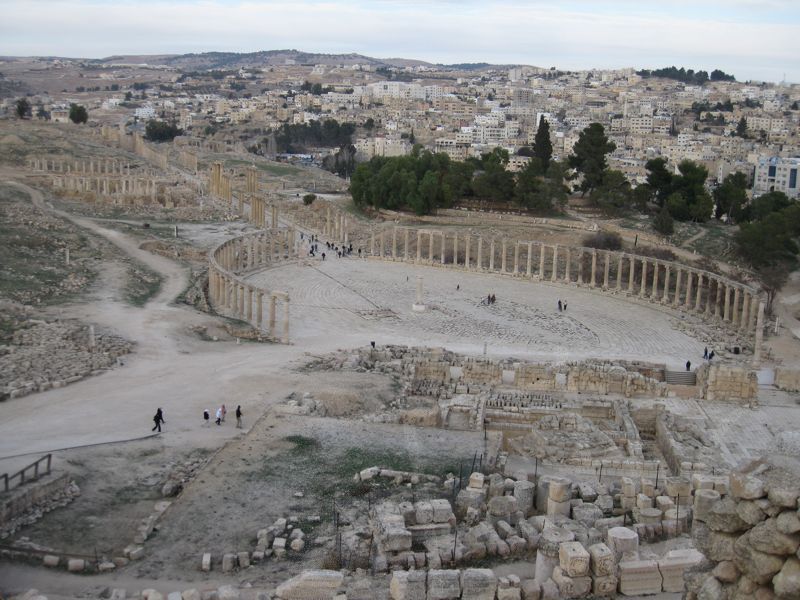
(777, 174)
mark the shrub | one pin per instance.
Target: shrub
(308, 199)
(603, 240)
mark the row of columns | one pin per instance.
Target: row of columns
(691, 290)
(220, 183)
(335, 226)
(83, 167)
(251, 180)
(253, 251)
(107, 185)
(258, 212)
(246, 302)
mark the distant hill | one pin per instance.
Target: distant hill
(264, 58)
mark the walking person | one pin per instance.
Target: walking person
(559, 305)
(239, 416)
(219, 416)
(705, 353)
(711, 356)
(206, 417)
(688, 365)
(565, 306)
(224, 412)
(158, 419)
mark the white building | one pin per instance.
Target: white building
(776, 174)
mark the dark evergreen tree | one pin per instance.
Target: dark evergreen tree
(589, 156)
(542, 146)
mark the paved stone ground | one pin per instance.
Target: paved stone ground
(350, 297)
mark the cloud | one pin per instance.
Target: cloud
(572, 35)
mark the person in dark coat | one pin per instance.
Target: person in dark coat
(158, 419)
(239, 416)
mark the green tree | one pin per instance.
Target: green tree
(309, 199)
(690, 184)
(761, 207)
(741, 128)
(659, 178)
(641, 196)
(542, 146)
(769, 248)
(663, 222)
(78, 113)
(494, 182)
(589, 156)
(23, 108)
(369, 123)
(613, 195)
(161, 131)
(731, 195)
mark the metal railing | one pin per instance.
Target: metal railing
(23, 474)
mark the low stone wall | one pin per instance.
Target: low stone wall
(21, 504)
(728, 383)
(787, 379)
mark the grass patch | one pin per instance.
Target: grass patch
(302, 444)
(142, 285)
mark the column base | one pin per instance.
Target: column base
(418, 307)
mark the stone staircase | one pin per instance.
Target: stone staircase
(680, 377)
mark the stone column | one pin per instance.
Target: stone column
(727, 315)
(665, 297)
(430, 247)
(405, 247)
(643, 287)
(744, 321)
(619, 272)
(735, 316)
(516, 258)
(606, 269)
(593, 282)
(580, 267)
(491, 255)
(444, 246)
(479, 264)
(567, 261)
(528, 265)
(455, 248)
(718, 299)
(394, 243)
(753, 310)
(272, 306)
(678, 282)
(381, 243)
(654, 287)
(249, 304)
(285, 338)
(419, 246)
(235, 298)
(541, 262)
(699, 295)
(504, 251)
(467, 244)
(259, 308)
(689, 297)
(759, 335)
(372, 243)
(632, 269)
(554, 274)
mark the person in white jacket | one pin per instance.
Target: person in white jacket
(219, 416)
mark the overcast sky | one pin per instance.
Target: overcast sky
(753, 39)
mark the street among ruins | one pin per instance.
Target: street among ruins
(403, 436)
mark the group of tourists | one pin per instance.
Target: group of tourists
(158, 419)
(562, 305)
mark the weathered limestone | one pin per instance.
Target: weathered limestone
(315, 584)
(639, 577)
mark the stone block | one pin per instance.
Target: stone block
(648, 516)
(408, 585)
(50, 560)
(229, 562)
(573, 559)
(504, 530)
(628, 487)
(639, 577)
(423, 513)
(787, 582)
(524, 492)
(664, 503)
(477, 584)
(673, 568)
(758, 566)
(765, 537)
(622, 540)
(174, 596)
(788, 522)
(442, 511)
(704, 500)
(443, 584)
(205, 562)
(530, 589)
(648, 487)
(191, 594)
(516, 544)
(555, 508)
(297, 545)
(550, 590)
(106, 566)
(602, 560)
(605, 503)
(571, 587)
(722, 516)
(605, 585)
(783, 494)
(587, 492)
(529, 534)
(720, 545)
(502, 507)
(244, 559)
(312, 584)
(76, 565)
(470, 498)
(586, 514)
(151, 594)
(643, 501)
(476, 481)
(559, 489)
(228, 592)
(746, 487)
